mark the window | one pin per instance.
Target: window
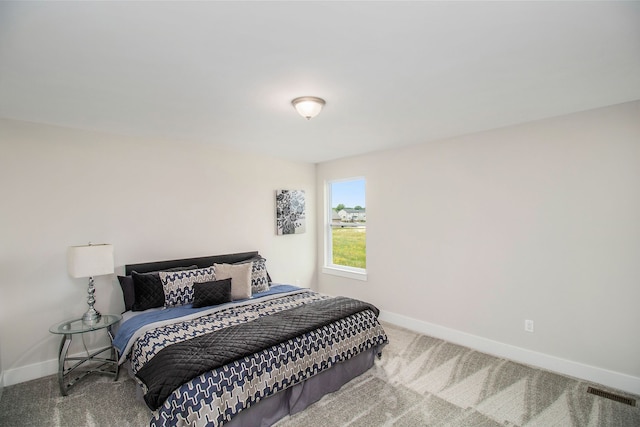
(346, 236)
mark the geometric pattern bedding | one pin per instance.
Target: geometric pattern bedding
(155, 340)
(214, 397)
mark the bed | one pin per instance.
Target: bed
(213, 341)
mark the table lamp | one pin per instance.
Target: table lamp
(89, 261)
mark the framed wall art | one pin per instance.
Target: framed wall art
(290, 212)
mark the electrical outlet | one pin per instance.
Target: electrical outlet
(528, 325)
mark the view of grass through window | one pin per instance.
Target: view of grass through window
(349, 247)
(348, 223)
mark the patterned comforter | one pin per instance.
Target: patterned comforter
(215, 396)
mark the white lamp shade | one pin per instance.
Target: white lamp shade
(90, 260)
(308, 106)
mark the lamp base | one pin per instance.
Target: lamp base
(91, 317)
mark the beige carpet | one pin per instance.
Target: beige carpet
(420, 381)
(423, 381)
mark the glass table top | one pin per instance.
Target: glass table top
(77, 326)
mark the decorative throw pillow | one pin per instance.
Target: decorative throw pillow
(211, 293)
(128, 291)
(259, 276)
(240, 275)
(178, 286)
(147, 289)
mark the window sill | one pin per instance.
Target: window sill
(344, 272)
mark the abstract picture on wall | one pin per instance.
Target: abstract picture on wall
(290, 212)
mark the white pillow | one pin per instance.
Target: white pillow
(240, 275)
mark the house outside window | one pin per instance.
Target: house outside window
(346, 228)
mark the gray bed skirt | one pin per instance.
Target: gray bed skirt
(300, 396)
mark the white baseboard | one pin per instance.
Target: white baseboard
(570, 368)
(30, 372)
(35, 370)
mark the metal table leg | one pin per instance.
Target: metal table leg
(62, 358)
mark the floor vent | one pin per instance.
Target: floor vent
(616, 397)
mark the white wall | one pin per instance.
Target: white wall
(468, 237)
(538, 221)
(151, 199)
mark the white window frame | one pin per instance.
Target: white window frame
(329, 267)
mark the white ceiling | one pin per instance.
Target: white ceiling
(392, 73)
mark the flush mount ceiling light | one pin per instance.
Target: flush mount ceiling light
(308, 106)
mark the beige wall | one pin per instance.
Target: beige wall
(151, 199)
(470, 236)
(466, 237)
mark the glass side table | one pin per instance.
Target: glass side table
(66, 365)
